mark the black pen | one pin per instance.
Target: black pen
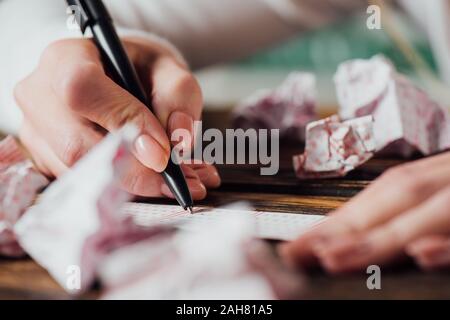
(93, 14)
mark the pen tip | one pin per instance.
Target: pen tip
(191, 210)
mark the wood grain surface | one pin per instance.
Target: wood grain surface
(24, 279)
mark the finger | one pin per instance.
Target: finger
(83, 86)
(398, 190)
(142, 181)
(384, 243)
(432, 252)
(177, 98)
(207, 174)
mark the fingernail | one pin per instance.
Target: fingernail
(150, 153)
(181, 121)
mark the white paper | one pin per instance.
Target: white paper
(221, 260)
(269, 225)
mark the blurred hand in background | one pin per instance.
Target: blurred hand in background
(406, 212)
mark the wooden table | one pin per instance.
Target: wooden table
(281, 193)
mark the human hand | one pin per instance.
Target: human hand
(69, 103)
(405, 212)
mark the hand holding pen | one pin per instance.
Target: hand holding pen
(70, 102)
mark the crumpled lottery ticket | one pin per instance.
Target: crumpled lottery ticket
(221, 260)
(288, 108)
(78, 219)
(19, 185)
(335, 147)
(406, 119)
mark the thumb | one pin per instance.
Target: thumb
(177, 98)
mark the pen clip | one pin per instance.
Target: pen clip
(77, 10)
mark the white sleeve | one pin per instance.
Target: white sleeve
(27, 28)
(206, 31)
(214, 31)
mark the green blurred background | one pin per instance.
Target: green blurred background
(318, 51)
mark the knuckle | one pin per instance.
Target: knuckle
(57, 49)
(73, 151)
